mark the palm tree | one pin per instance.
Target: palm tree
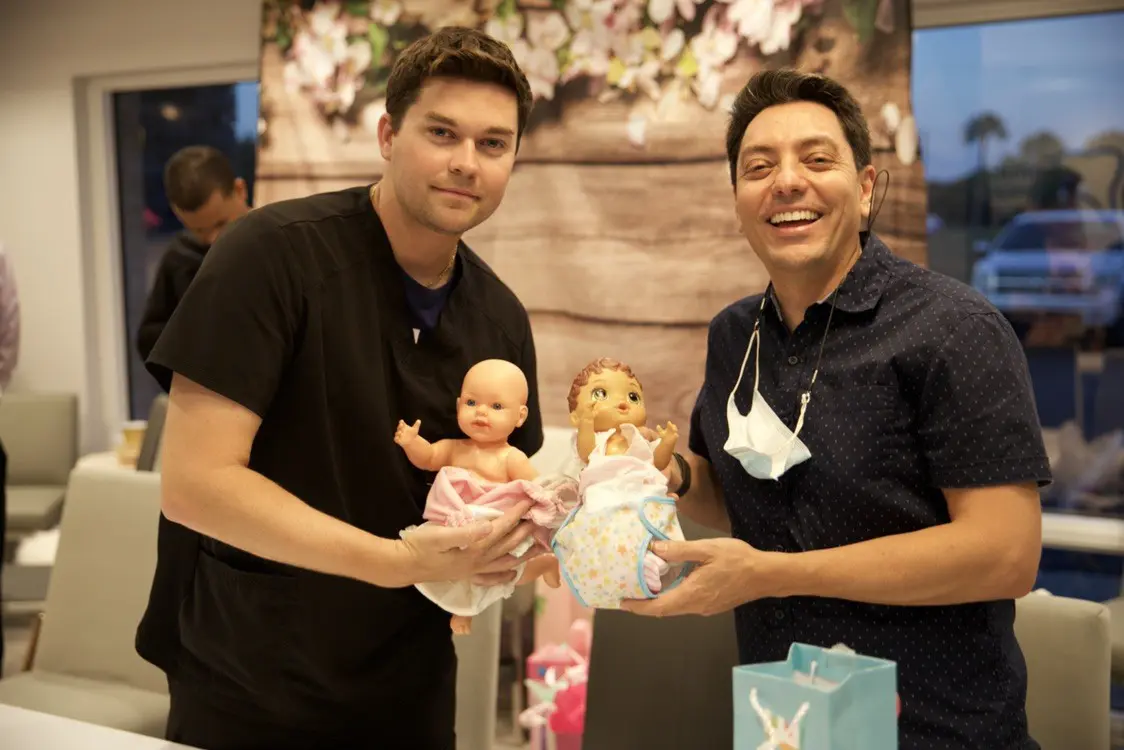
(980, 129)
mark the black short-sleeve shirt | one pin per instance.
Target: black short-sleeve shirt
(922, 386)
(299, 314)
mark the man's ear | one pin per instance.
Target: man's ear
(386, 136)
(240, 191)
(867, 177)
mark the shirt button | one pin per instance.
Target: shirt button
(793, 360)
(778, 615)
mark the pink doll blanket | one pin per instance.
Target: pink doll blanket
(455, 489)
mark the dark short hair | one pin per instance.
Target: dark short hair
(193, 174)
(770, 88)
(455, 52)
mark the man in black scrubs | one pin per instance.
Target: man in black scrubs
(206, 196)
(312, 328)
(904, 518)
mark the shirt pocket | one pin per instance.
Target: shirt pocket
(860, 434)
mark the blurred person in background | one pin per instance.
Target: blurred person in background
(206, 196)
(9, 355)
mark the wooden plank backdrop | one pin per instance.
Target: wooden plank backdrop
(617, 250)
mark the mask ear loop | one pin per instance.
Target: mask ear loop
(806, 396)
(873, 193)
(755, 336)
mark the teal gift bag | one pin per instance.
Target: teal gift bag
(819, 699)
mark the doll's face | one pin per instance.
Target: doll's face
(614, 398)
(493, 402)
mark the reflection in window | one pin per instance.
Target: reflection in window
(150, 126)
(1022, 131)
(1049, 232)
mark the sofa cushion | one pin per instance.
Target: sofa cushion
(1116, 615)
(34, 508)
(108, 704)
(40, 433)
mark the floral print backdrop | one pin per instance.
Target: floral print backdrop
(656, 54)
(617, 231)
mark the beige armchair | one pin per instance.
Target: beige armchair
(40, 434)
(1068, 649)
(478, 671)
(85, 666)
(1066, 643)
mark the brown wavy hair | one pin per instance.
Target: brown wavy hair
(596, 367)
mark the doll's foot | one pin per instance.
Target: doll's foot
(461, 625)
(654, 571)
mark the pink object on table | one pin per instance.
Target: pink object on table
(567, 742)
(558, 658)
(568, 717)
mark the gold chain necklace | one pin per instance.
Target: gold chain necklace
(373, 193)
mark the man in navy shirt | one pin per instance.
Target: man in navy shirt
(866, 431)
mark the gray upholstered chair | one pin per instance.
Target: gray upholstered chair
(40, 434)
(1068, 651)
(85, 666)
(478, 673)
(149, 457)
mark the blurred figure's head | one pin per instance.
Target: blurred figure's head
(456, 106)
(800, 161)
(204, 192)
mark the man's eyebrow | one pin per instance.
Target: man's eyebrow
(494, 130)
(752, 149)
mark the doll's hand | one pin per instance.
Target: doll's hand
(670, 433)
(405, 434)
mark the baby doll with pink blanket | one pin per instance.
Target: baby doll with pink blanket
(482, 476)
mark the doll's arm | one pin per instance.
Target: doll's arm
(587, 437)
(519, 466)
(668, 436)
(422, 453)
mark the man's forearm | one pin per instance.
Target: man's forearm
(242, 508)
(946, 564)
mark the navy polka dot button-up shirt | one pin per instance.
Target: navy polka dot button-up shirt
(922, 385)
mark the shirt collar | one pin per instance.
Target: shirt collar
(862, 287)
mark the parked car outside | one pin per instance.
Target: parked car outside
(1067, 262)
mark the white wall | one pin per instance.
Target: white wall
(46, 46)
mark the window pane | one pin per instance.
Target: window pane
(1022, 133)
(150, 126)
